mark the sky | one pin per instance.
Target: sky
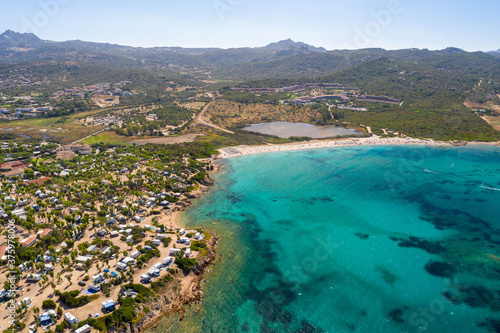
(333, 24)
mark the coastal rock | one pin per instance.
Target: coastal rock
(166, 304)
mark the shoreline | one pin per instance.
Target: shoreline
(191, 292)
(168, 305)
(230, 152)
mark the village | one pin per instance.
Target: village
(35, 104)
(309, 93)
(96, 233)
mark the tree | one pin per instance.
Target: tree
(49, 304)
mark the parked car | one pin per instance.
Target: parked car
(81, 283)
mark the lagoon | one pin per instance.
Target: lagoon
(286, 130)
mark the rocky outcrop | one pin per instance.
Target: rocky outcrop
(172, 302)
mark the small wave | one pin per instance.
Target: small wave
(490, 188)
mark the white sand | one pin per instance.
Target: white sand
(371, 141)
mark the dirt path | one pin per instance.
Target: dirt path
(493, 121)
(168, 140)
(207, 123)
(330, 110)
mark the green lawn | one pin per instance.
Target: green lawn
(107, 137)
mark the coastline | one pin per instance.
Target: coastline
(230, 152)
(176, 301)
(191, 293)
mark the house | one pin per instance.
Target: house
(82, 149)
(128, 260)
(135, 254)
(160, 236)
(84, 329)
(39, 181)
(26, 300)
(33, 277)
(156, 242)
(83, 259)
(93, 288)
(197, 236)
(108, 306)
(20, 213)
(65, 173)
(13, 165)
(173, 251)
(121, 266)
(46, 318)
(98, 278)
(182, 232)
(114, 233)
(153, 272)
(64, 155)
(106, 251)
(71, 319)
(13, 173)
(92, 249)
(3, 249)
(30, 241)
(43, 233)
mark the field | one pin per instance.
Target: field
(493, 121)
(233, 114)
(106, 138)
(63, 129)
(167, 140)
(487, 106)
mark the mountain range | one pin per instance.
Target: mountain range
(283, 59)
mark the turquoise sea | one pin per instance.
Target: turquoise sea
(352, 239)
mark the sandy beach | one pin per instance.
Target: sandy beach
(313, 144)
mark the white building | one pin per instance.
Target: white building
(173, 251)
(84, 329)
(71, 319)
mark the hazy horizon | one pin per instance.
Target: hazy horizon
(216, 47)
(393, 24)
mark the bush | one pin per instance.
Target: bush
(49, 304)
(69, 298)
(166, 241)
(124, 314)
(198, 246)
(127, 301)
(185, 263)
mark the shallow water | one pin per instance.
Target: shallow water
(338, 240)
(286, 130)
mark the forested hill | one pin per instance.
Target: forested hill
(284, 59)
(430, 84)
